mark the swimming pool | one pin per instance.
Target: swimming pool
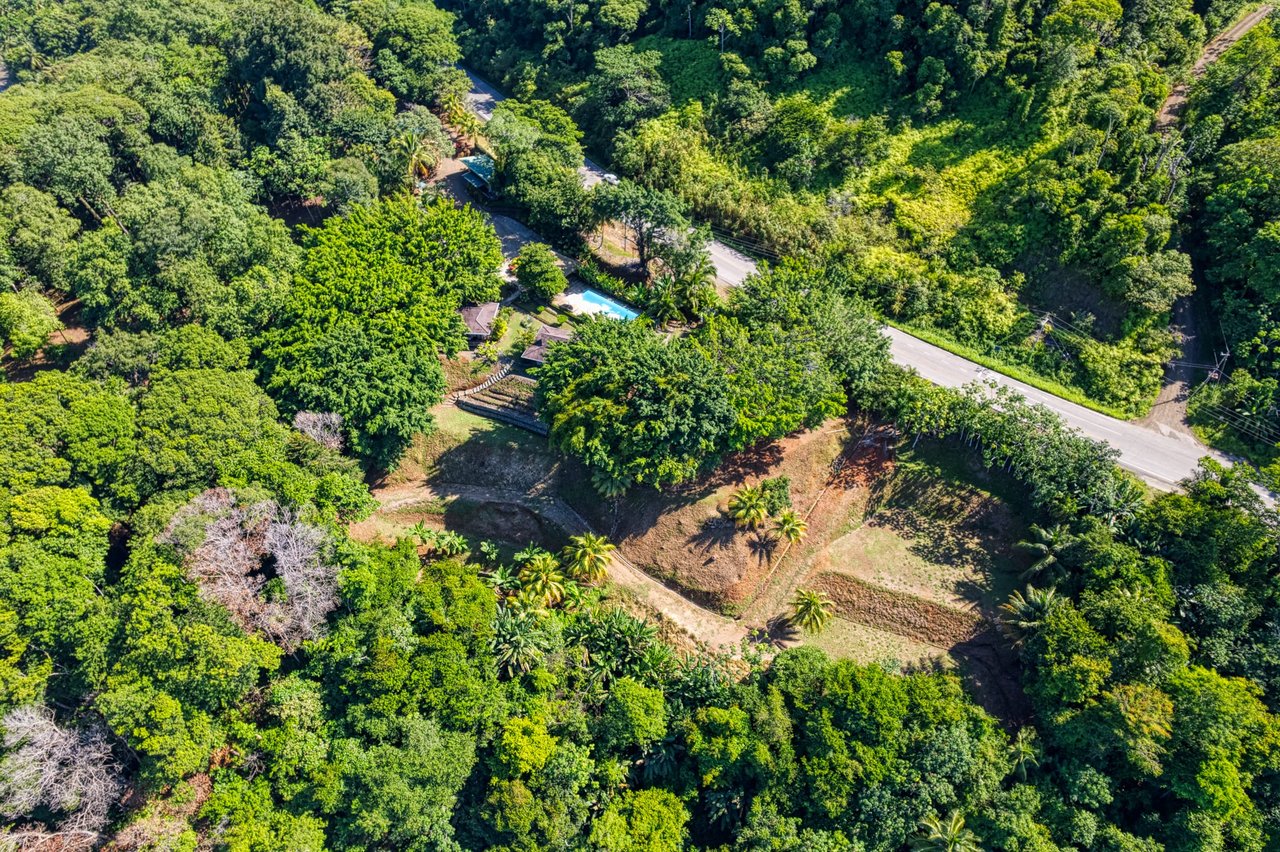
(592, 302)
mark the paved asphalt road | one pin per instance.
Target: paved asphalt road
(1158, 454)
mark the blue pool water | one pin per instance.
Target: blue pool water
(610, 307)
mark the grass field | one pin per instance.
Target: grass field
(469, 449)
(849, 640)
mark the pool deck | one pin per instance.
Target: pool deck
(575, 299)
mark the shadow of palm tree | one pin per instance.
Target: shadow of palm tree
(763, 544)
(782, 632)
(716, 532)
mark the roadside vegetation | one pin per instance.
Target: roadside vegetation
(994, 183)
(237, 613)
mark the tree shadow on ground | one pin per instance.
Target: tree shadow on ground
(738, 467)
(505, 457)
(501, 522)
(762, 544)
(778, 632)
(716, 533)
(946, 525)
(994, 675)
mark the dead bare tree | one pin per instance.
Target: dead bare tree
(302, 555)
(229, 549)
(323, 427)
(69, 771)
(221, 542)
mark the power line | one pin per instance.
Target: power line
(1239, 422)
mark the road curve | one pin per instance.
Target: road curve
(709, 628)
(1160, 455)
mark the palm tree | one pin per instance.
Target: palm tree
(1117, 501)
(659, 663)
(697, 288)
(420, 158)
(461, 119)
(810, 611)
(588, 556)
(574, 596)
(949, 835)
(700, 298)
(529, 603)
(1022, 615)
(663, 302)
(517, 641)
(541, 579)
(790, 527)
(1024, 752)
(747, 507)
(1046, 545)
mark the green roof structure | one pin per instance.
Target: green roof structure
(481, 167)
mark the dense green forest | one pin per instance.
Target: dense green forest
(224, 311)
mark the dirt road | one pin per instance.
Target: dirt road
(1171, 109)
(703, 625)
(1169, 413)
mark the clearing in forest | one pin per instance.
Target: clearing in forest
(685, 536)
(914, 560)
(922, 564)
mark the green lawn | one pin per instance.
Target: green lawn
(844, 639)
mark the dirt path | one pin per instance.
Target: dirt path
(702, 625)
(1171, 109)
(1169, 413)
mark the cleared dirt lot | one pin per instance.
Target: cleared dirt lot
(686, 537)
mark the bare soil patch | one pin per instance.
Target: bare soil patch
(914, 560)
(899, 613)
(856, 477)
(686, 537)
